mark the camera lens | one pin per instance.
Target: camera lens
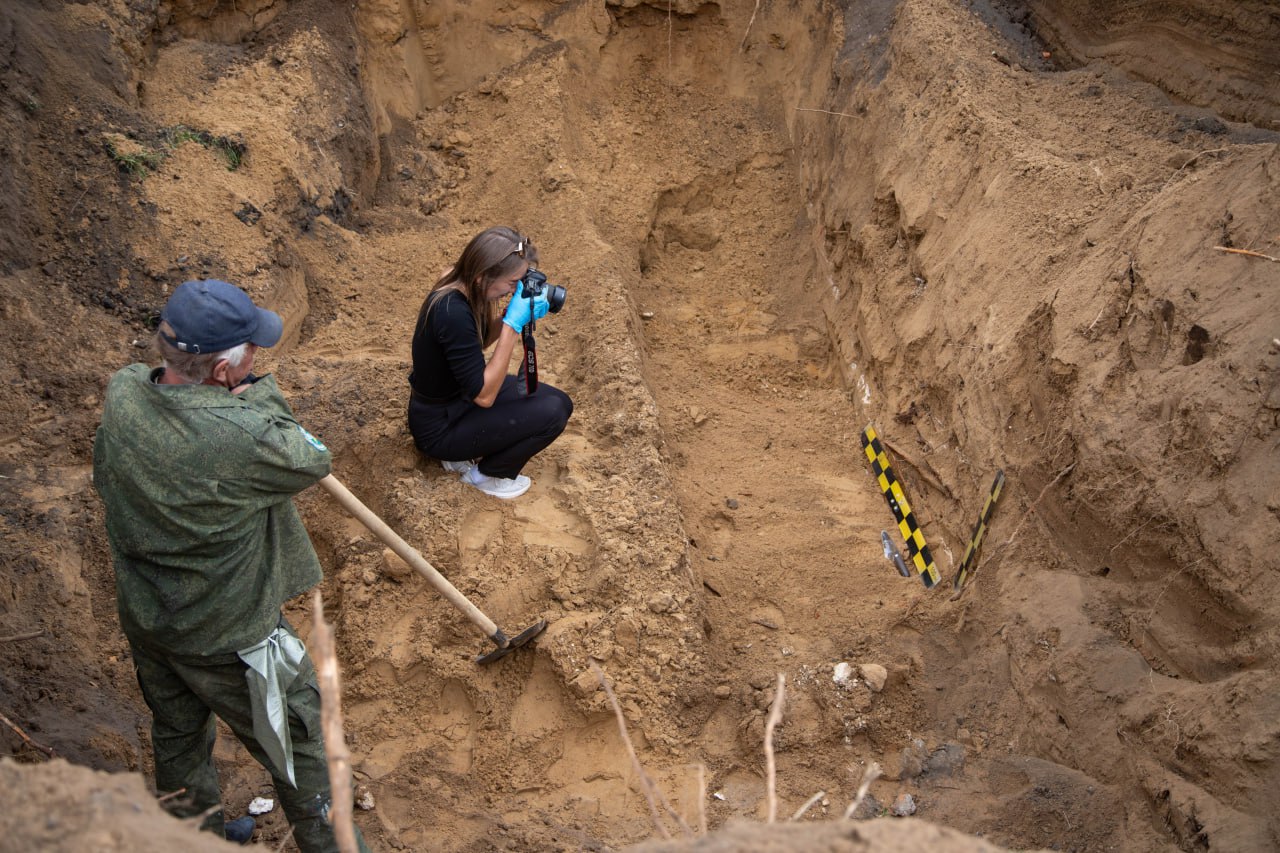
(555, 298)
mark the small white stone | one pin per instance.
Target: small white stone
(843, 672)
(261, 805)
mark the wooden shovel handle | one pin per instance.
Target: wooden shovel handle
(407, 553)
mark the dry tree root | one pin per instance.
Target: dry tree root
(743, 46)
(47, 750)
(1247, 253)
(827, 112)
(28, 635)
(335, 743)
(1022, 520)
(283, 841)
(651, 791)
(871, 774)
(702, 797)
(808, 804)
(775, 714)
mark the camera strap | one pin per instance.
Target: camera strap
(529, 367)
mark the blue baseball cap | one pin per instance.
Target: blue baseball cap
(212, 316)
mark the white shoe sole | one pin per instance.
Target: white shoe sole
(520, 485)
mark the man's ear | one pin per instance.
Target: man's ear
(220, 369)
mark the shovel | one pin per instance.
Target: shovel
(505, 645)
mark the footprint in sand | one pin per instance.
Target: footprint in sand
(478, 528)
(457, 722)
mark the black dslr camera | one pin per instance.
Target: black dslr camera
(535, 283)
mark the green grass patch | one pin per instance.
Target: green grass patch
(139, 159)
(133, 157)
(232, 150)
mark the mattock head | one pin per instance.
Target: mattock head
(507, 646)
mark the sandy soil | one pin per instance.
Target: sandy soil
(1032, 237)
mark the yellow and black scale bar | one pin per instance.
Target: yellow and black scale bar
(897, 499)
(979, 530)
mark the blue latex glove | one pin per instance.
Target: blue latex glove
(541, 305)
(518, 310)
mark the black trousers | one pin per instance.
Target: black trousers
(504, 437)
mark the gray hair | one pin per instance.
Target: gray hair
(194, 368)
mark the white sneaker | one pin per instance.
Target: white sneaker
(498, 487)
(461, 467)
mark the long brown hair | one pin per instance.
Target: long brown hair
(492, 254)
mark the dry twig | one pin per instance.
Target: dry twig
(775, 714)
(283, 841)
(702, 798)
(196, 820)
(29, 635)
(926, 473)
(871, 774)
(651, 791)
(1246, 252)
(47, 750)
(828, 112)
(1194, 158)
(1131, 534)
(1014, 535)
(335, 744)
(808, 804)
(743, 46)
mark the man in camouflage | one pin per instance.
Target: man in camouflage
(197, 463)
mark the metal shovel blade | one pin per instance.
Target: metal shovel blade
(507, 646)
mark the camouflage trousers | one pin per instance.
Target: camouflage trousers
(185, 694)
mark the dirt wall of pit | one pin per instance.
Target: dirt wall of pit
(1082, 358)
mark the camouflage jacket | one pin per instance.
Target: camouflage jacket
(198, 486)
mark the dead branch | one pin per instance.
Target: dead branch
(775, 714)
(1131, 534)
(47, 750)
(926, 473)
(1014, 535)
(283, 841)
(808, 804)
(29, 635)
(1194, 158)
(164, 798)
(651, 791)
(828, 112)
(743, 46)
(196, 820)
(871, 774)
(702, 798)
(337, 756)
(1247, 253)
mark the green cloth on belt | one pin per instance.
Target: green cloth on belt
(273, 665)
(197, 484)
(185, 696)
